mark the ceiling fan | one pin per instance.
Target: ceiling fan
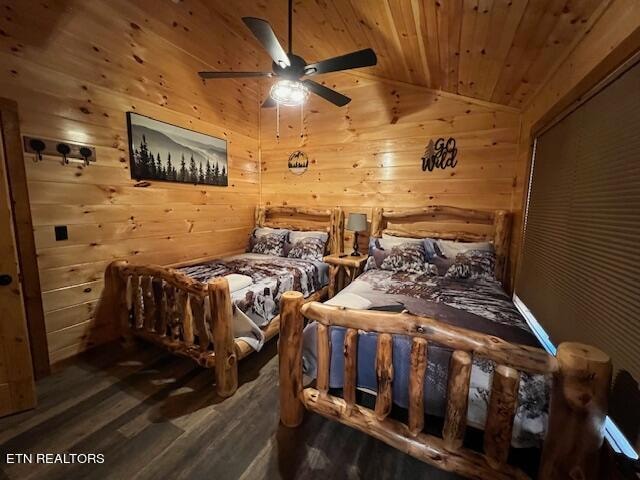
(291, 90)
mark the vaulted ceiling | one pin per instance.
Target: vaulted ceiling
(494, 50)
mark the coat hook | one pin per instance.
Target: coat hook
(64, 150)
(86, 153)
(38, 146)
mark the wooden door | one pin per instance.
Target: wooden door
(17, 390)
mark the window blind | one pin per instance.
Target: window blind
(580, 267)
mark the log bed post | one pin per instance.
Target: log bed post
(501, 237)
(503, 403)
(115, 300)
(290, 358)
(323, 350)
(260, 216)
(377, 222)
(455, 420)
(336, 231)
(384, 375)
(350, 368)
(416, 384)
(578, 407)
(226, 359)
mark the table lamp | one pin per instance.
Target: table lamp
(357, 222)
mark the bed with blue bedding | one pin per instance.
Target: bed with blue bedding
(478, 304)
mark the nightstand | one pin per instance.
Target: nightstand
(343, 270)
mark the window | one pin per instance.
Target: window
(579, 275)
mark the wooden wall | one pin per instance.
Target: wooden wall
(75, 68)
(369, 153)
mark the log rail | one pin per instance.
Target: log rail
(581, 379)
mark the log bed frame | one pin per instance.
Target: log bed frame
(581, 375)
(170, 311)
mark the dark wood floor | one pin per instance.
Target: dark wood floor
(155, 416)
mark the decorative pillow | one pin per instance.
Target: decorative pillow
(473, 264)
(373, 243)
(451, 249)
(389, 241)
(308, 248)
(295, 235)
(269, 244)
(377, 253)
(443, 253)
(261, 232)
(371, 264)
(407, 257)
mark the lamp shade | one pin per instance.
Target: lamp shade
(357, 222)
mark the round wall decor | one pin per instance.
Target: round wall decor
(298, 162)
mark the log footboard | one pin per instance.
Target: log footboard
(186, 317)
(168, 308)
(581, 381)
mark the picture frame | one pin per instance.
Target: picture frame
(161, 151)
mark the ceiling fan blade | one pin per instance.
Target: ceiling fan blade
(361, 58)
(269, 102)
(327, 93)
(208, 75)
(262, 30)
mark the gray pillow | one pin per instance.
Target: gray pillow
(269, 244)
(473, 265)
(261, 232)
(308, 248)
(406, 257)
(443, 254)
(296, 236)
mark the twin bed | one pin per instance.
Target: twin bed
(218, 311)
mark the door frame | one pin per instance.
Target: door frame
(24, 238)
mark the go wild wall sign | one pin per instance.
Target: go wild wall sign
(440, 154)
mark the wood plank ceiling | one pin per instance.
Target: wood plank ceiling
(494, 50)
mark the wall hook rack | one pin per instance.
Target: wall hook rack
(41, 147)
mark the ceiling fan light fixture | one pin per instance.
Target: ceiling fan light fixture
(289, 93)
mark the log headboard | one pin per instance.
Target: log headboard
(449, 223)
(330, 220)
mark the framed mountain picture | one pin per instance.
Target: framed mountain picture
(160, 151)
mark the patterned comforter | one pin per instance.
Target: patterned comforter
(257, 304)
(480, 305)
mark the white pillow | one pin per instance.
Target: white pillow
(349, 300)
(295, 235)
(389, 241)
(450, 248)
(262, 231)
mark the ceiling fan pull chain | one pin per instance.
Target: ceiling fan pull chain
(277, 122)
(302, 120)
